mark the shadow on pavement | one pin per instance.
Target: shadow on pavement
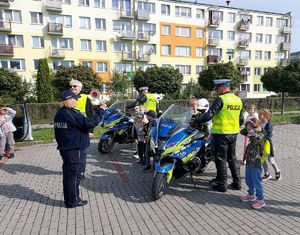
(37, 170)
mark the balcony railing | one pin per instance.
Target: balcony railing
(125, 14)
(243, 43)
(213, 59)
(55, 28)
(126, 35)
(142, 15)
(53, 6)
(4, 3)
(214, 22)
(244, 25)
(242, 61)
(5, 26)
(127, 56)
(286, 30)
(143, 36)
(284, 62)
(213, 41)
(6, 50)
(57, 53)
(143, 57)
(285, 46)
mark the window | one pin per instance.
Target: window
(215, 34)
(246, 18)
(99, 3)
(280, 39)
(268, 38)
(121, 25)
(12, 40)
(267, 55)
(199, 69)
(84, 22)
(266, 70)
(184, 69)
(230, 54)
(123, 67)
(182, 51)
(62, 43)
(87, 64)
(199, 51)
(101, 67)
(121, 4)
(230, 35)
(259, 38)
(144, 67)
(166, 65)
(100, 24)
(166, 49)
(148, 6)
(245, 37)
(215, 17)
(11, 15)
(269, 21)
(85, 45)
(215, 51)
(231, 17)
(257, 71)
(65, 1)
(105, 88)
(183, 12)
(37, 42)
(147, 48)
(279, 55)
(281, 23)
(200, 13)
(101, 45)
(199, 33)
(165, 9)
(122, 46)
(245, 54)
(85, 3)
(257, 87)
(36, 17)
(258, 55)
(36, 64)
(259, 20)
(64, 63)
(65, 20)
(166, 30)
(147, 27)
(13, 64)
(245, 87)
(183, 32)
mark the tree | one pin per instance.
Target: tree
(160, 80)
(13, 88)
(119, 84)
(193, 89)
(219, 71)
(85, 75)
(283, 79)
(44, 89)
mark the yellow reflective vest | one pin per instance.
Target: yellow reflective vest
(81, 104)
(150, 102)
(227, 120)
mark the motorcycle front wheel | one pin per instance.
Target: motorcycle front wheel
(159, 185)
(104, 146)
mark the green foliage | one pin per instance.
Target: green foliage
(160, 80)
(119, 84)
(193, 90)
(85, 75)
(219, 71)
(44, 89)
(13, 88)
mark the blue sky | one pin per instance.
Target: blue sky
(280, 6)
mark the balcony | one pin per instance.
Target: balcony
(4, 3)
(143, 57)
(286, 30)
(213, 59)
(242, 61)
(143, 36)
(213, 42)
(57, 53)
(142, 15)
(244, 74)
(6, 50)
(127, 56)
(125, 14)
(243, 43)
(285, 46)
(55, 29)
(53, 6)
(126, 35)
(244, 25)
(214, 22)
(284, 62)
(5, 26)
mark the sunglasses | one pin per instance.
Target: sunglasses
(73, 86)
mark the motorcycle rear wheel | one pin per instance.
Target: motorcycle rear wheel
(104, 146)
(159, 185)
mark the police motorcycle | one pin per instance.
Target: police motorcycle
(180, 151)
(118, 127)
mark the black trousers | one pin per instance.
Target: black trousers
(225, 153)
(141, 151)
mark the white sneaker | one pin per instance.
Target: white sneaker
(136, 156)
(266, 177)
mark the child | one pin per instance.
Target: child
(139, 135)
(265, 116)
(254, 160)
(194, 105)
(6, 131)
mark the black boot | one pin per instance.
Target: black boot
(236, 185)
(219, 187)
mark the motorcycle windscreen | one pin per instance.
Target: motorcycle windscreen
(117, 107)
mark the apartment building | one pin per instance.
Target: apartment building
(128, 34)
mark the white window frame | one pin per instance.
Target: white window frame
(258, 55)
(105, 88)
(84, 3)
(184, 51)
(166, 49)
(120, 67)
(184, 69)
(147, 6)
(199, 51)
(84, 22)
(87, 63)
(65, 63)
(40, 40)
(85, 44)
(185, 32)
(65, 20)
(183, 12)
(99, 3)
(268, 38)
(38, 16)
(200, 13)
(199, 33)
(267, 55)
(102, 24)
(9, 64)
(166, 30)
(231, 17)
(257, 71)
(62, 43)
(165, 10)
(269, 21)
(259, 20)
(101, 45)
(103, 66)
(230, 36)
(259, 38)
(122, 25)
(122, 46)
(13, 16)
(256, 87)
(199, 69)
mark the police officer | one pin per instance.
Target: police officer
(71, 130)
(145, 98)
(226, 114)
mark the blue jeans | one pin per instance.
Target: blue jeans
(253, 180)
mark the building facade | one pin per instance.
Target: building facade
(130, 34)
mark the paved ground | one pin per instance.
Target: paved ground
(120, 203)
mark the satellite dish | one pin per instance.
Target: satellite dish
(119, 34)
(11, 0)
